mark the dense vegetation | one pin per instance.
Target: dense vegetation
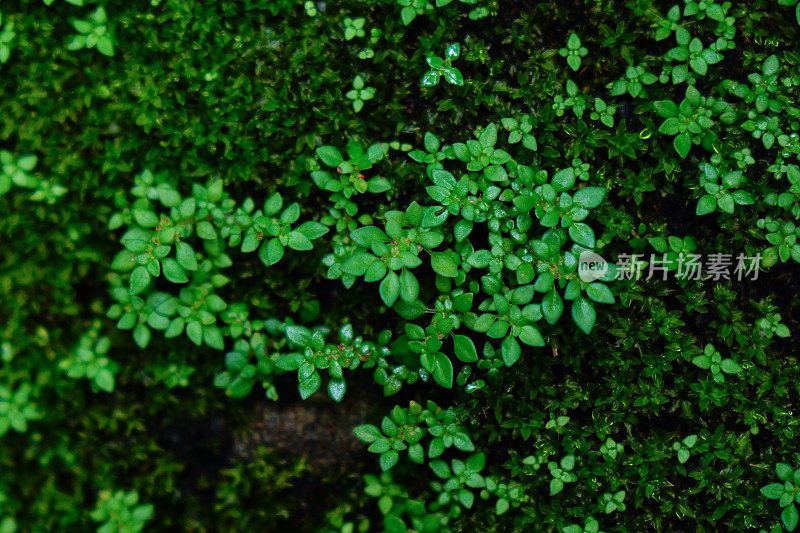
(309, 266)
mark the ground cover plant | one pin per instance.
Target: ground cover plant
(399, 265)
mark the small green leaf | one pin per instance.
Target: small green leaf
(706, 205)
(367, 433)
(173, 271)
(330, 155)
(186, 256)
(465, 349)
(443, 264)
(682, 144)
(583, 314)
(789, 517)
(443, 370)
(409, 287)
(388, 459)
(309, 385)
(390, 289)
(140, 279)
(298, 335)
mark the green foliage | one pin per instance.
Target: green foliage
(120, 511)
(443, 67)
(89, 361)
(573, 52)
(447, 227)
(786, 492)
(7, 35)
(92, 33)
(359, 93)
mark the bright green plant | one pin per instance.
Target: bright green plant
(683, 447)
(7, 35)
(17, 171)
(92, 33)
(711, 360)
(17, 408)
(783, 238)
(354, 28)
(611, 449)
(443, 67)
(348, 354)
(691, 122)
(412, 8)
(590, 526)
(721, 192)
(561, 473)
(360, 93)
(771, 325)
(787, 492)
(636, 78)
(613, 502)
(404, 429)
(121, 512)
(574, 51)
(89, 360)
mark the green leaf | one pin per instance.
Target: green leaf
(552, 306)
(443, 264)
(312, 229)
(407, 14)
(501, 507)
(682, 144)
(173, 271)
(330, 155)
(771, 65)
(683, 455)
(390, 289)
(409, 287)
(530, 335)
(141, 335)
(299, 242)
(431, 142)
(564, 179)
(789, 517)
(463, 442)
(443, 370)
(212, 337)
(488, 136)
(510, 350)
(298, 335)
(600, 293)
(186, 256)
(726, 203)
(574, 62)
(729, 366)
(388, 459)
(368, 235)
(140, 279)
(336, 389)
(367, 433)
(582, 234)
(583, 314)
(589, 197)
(206, 231)
(666, 108)
(556, 486)
(465, 349)
(706, 205)
(773, 491)
(105, 380)
(309, 385)
(271, 252)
